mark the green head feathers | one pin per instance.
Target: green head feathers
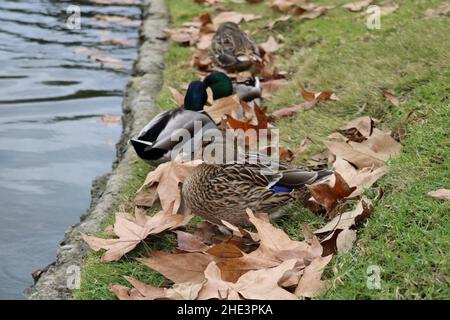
(196, 96)
(220, 85)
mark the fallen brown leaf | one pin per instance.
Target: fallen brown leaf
(179, 267)
(328, 196)
(310, 284)
(270, 45)
(165, 182)
(442, 194)
(132, 231)
(348, 219)
(357, 6)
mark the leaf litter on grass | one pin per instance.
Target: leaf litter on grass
(244, 264)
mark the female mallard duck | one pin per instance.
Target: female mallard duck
(232, 49)
(154, 143)
(224, 192)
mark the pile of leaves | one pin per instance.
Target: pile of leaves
(261, 263)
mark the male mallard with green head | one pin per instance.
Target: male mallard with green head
(224, 191)
(154, 143)
(232, 49)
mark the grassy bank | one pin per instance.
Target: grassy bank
(408, 234)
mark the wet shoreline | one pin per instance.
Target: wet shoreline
(138, 103)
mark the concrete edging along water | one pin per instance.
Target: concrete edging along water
(144, 85)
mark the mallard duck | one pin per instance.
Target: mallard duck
(154, 143)
(232, 49)
(224, 191)
(222, 86)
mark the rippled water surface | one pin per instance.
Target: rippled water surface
(56, 85)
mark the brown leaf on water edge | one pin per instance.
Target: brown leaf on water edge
(441, 194)
(165, 182)
(132, 231)
(329, 197)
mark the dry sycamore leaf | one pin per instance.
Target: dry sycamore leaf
(391, 97)
(345, 240)
(225, 250)
(168, 178)
(362, 179)
(328, 196)
(131, 232)
(204, 43)
(233, 16)
(280, 19)
(389, 7)
(276, 244)
(109, 120)
(215, 287)
(179, 267)
(222, 107)
(313, 14)
(270, 45)
(261, 118)
(142, 291)
(319, 96)
(107, 19)
(442, 10)
(272, 86)
(373, 152)
(349, 218)
(357, 6)
(310, 284)
(201, 60)
(190, 243)
(290, 111)
(364, 125)
(282, 5)
(113, 62)
(240, 232)
(442, 194)
(263, 284)
(177, 96)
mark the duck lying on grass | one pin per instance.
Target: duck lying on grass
(154, 143)
(232, 49)
(224, 191)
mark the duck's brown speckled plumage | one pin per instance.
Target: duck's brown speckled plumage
(217, 192)
(232, 49)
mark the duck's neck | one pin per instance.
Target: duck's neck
(196, 96)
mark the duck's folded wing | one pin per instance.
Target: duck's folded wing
(182, 127)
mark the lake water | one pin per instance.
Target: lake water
(60, 97)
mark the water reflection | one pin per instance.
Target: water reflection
(55, 84)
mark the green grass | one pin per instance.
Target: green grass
(407, 236)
